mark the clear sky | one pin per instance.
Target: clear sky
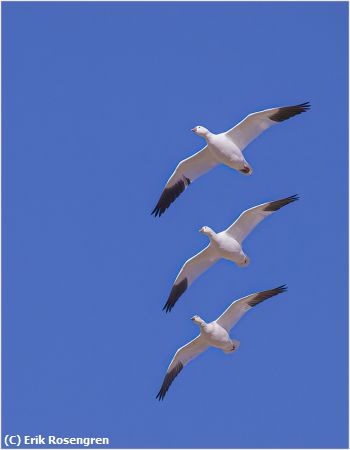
(98, 102)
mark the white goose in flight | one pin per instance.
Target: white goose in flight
(227, 245)
(224, 148)
(214, 334)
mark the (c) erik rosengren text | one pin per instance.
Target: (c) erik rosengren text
(16, 440)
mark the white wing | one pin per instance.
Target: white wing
(187, 171)
(250, 218)
(192, 268)
(182, 357)
(254, 124)
(238, 308)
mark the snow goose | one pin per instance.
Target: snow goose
(227, 245)
(224, 148)
(214, 334)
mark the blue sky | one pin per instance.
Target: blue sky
(98, 101)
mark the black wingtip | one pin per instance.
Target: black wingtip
(278, 204)
(281, 289)
(305, 105)
(167, 308)
(169, 195)
(264, 295)
(293, 198)
(168, 379)
(286, 112)
(157, 211)
(176, 292)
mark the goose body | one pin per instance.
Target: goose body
(226, 247)
(226, 152)
(216, 336)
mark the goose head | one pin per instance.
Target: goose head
(207, 231)
(198, 320)
(201, 131)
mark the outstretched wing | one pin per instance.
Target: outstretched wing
(254, 124)
(187, 171)
(250, 218)
(182, 357)
(238, 308)
(192, 268)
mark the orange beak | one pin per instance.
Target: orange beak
(194, 129)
